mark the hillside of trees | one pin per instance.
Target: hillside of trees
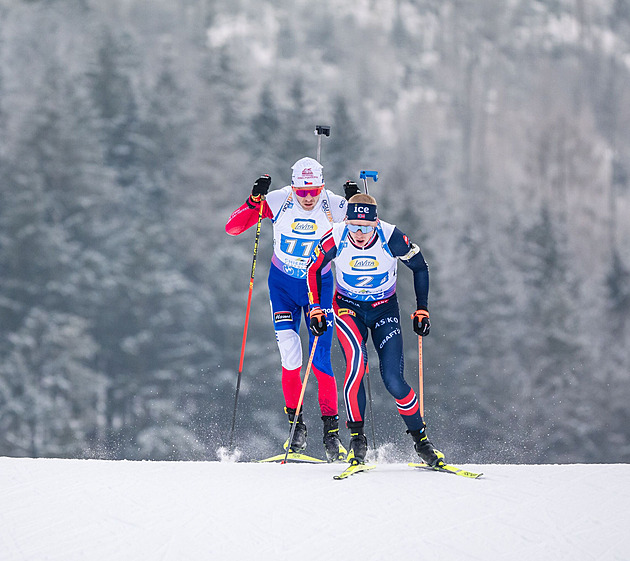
(131, 129)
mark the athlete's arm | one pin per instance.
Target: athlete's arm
(324, 253)
(409, 253)
(246, 215)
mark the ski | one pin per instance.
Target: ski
(293, 458)
(448, 468)
(352, 469)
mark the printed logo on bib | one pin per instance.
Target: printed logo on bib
(282, 316)
(340, 297)
(304, 226)
(326, 209)
(287, 205)
(295, 272)
(360, 263)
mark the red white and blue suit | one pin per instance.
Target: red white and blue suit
(365, 301)
(296, 232)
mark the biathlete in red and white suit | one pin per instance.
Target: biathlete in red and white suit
(301, 213)
(366, 253)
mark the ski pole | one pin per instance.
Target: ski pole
(299, 405)
(249, 304)
(421, 378)
(369, 391)
(364, 176)
(319, 131)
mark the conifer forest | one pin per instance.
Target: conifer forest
(131, 129)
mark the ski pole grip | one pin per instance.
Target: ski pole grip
(369, 174)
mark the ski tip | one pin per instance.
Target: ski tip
(352, 470)
(447, 468)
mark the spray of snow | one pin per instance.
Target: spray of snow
(225, 455)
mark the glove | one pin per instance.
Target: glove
(350, 188)
(421, 322)
(261, 187)
(318, 323)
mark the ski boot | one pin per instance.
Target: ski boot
(425, 449)
(358, 443)
(335, 452)
(298, 444)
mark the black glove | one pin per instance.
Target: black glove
(261, 187)
(318, 323)
(350, 188)
(421, 322)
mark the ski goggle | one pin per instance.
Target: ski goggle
(308, 192)
(360, 228)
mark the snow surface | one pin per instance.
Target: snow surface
(92, 510)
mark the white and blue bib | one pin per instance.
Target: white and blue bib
(365, 274)
(296, 231)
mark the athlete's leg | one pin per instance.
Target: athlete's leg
(286, 320)
(387, 338)
(351, 332)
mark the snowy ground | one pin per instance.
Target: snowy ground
(91, 510)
